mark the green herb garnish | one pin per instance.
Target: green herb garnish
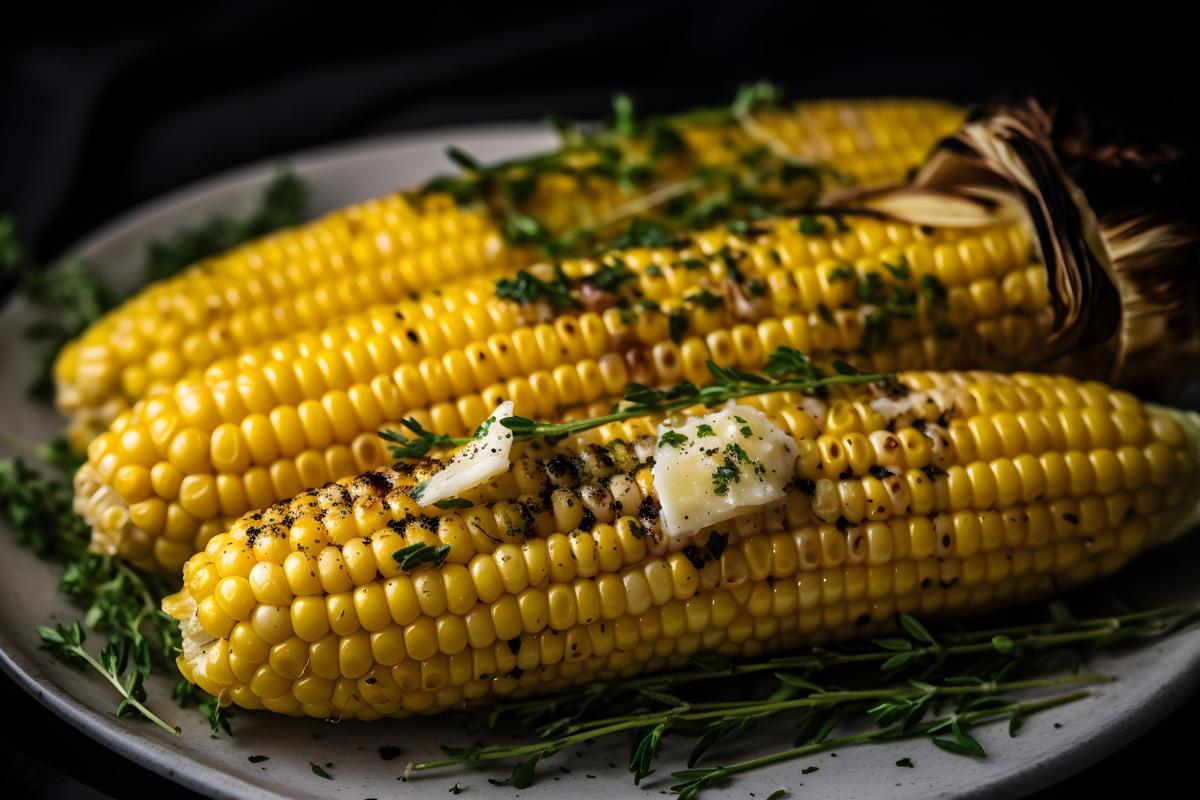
(527, 289)
(705, 299)
(419, 555)
(810, 226)
(672, 439)
(787, 370)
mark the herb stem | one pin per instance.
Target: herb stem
(734, 391)
(760, 708)
(648, 201)
(596, 729)
(731, 384)
(129, 698)
(894, 734)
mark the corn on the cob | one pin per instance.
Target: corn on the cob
(380, 251)
(956, 493)
(180, 466)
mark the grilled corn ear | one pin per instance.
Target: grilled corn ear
(939, 495)
(380, 251)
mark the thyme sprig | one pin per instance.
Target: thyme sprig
(66, 644)
(788, 370)
(970, 669)
(693, 780)
(882, 700)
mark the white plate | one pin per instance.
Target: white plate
(1152, 681)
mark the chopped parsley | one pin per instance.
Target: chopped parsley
(703, 430)
(934, 292)
(810, 226)
(840, 274)
(899, 270)
(725, 474)
(677, 325)
(729, 471)
(320, 773)
(704, 298)
(610, 276)
(672, 438)
(527, 289)
(824, 313)
(905, 762)
(453, 502)
(415, 556)
(643, 233)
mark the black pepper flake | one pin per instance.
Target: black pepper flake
(389, 751)
(376, 480)
(932, 472)
(258, 759)
(692, 553)
(561, 469)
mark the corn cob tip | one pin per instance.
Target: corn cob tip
(1189, 423)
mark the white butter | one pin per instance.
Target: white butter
(476, 463)
(713, 468)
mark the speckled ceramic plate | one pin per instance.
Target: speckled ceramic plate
(1152, 681)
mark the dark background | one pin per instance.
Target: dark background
(102, 108)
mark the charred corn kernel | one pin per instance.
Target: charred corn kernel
(562, 605)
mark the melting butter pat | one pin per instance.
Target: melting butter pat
(476, 463)
(713, 468)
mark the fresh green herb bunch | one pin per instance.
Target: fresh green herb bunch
(665, 188)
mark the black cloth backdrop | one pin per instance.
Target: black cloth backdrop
(103, 106)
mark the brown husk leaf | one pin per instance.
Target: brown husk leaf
(1116, 225)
